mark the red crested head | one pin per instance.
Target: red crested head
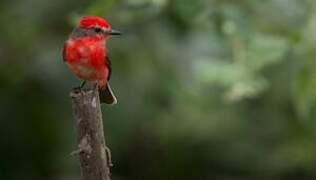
(94, 21)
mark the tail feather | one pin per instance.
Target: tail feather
(107, 96)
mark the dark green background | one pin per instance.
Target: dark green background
(207, 89)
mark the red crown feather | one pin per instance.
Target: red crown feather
(94, 21)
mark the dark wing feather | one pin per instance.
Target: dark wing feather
(107, 96)
(109, 65)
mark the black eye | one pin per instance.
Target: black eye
(97, 30)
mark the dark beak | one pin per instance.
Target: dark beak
(114, 32)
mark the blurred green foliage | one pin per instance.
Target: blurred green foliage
(207, 89)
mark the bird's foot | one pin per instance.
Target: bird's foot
(80, 87)
(77, 90)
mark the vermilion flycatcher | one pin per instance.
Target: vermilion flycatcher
(86, 55)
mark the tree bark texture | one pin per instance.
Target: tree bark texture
(95, 158)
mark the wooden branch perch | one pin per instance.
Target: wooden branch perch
(95, 157)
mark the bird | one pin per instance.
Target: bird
(86, 55)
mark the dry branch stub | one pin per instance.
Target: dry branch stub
(95, 157)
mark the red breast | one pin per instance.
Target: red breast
(86, 57)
